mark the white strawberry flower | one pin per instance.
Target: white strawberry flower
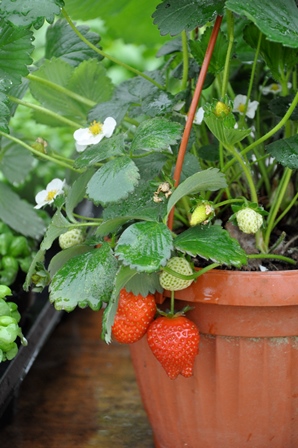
(94, 133)
(47, 196)
(199, 116)
(272, 88)
(240, 106)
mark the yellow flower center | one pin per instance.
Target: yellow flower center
(241, 108)
(274, 87)
(51, 194)
(95, 128)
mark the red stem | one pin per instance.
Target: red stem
(192, 110)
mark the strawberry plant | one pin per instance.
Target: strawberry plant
(190, 163)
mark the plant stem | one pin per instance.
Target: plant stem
(61, 89)
(185, 60)
(251, 81)
(227, 202)
(286, 210)
(238, 156)
(281, 190)
(88, 218)
(107, 56)
(273, 256)
(38, 153)
(172, 310)
(276, 128)
(206, 269)
(230, 28)
(268, 134)
(192, 110)
(43, 110)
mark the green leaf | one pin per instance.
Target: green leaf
(157, 103)
(208, 180)
(278, 58)
(106, 109)
(285, 151)
(144, 284)
(117, 215)
(30, 12)
(38, 259)
(170, 47)
(145, 246)
(277, 19)
(280, 105)
(113, 181)
(88, 80)
(15, 48)
(18, 214)
(143, 96)
(190, 166)
(198, 49)
(178, 15)
(62, 257)
(151, 165)
(4, 113)
(209, 152)
(62, 42)
(108, 147)
(57, 72)
(84, 280)
(212, 243)
(223, 129)
(129, 20)
(58, 225)
(156, 134)
(77, 193)
(143, 196)
(16, 163)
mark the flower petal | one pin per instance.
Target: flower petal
(108, 126)
(239, 99)
(40, 198)
(83, 136)
(80, 148)
(55, 184)
(199, 116)
(251, 109)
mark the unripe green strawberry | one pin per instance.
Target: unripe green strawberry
(71, 238)
(248, 220)
(174, 341)
(133, 316)
(202, 213)
(181, 266)
(221, 109)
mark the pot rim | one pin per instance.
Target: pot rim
(242, 288)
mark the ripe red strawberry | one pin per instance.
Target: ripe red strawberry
(133, 316)
(174, 341)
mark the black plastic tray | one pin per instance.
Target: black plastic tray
(41, 318)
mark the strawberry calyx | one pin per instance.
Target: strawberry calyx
(172, 314)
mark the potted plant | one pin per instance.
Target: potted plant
(190, 173)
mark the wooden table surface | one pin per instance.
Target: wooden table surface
(80, 393)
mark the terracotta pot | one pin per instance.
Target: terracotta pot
(244, 392)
